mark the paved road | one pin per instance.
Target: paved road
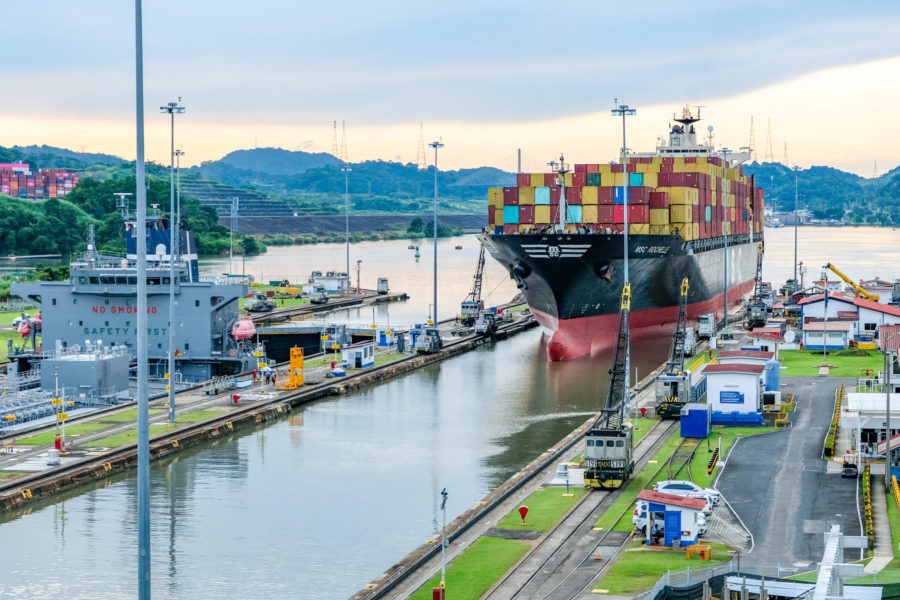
(778, 485)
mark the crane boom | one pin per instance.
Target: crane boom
(859, 291)
(676, 359)
(475, 294)
(611, 415)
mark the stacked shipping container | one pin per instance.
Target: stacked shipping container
(17, 180)
(666, 195)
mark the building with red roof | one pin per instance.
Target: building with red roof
(865, 317)
(676, 517)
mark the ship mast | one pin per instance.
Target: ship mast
(561, 168)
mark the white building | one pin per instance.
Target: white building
(734, 391)
(821, 335)
(679, 515)
(359, 355)
(865, 317)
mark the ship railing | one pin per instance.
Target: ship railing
(675, 584)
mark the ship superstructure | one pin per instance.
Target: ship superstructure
(560, 237)
(98, 305)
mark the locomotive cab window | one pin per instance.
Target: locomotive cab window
(610, 443)
(590, 442)
(620, 444)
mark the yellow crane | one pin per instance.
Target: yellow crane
(859, 291)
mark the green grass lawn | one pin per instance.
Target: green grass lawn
(474, 571)
(47, 438)
(545, 508)
(702, 456)
(126, 415)
(806, 364)
(635, 485)
(641, 426)
(891, 573)
(128, 437)
(279, 302)
(16, 338)
(380, 359)
(639, 569)
(199, 415)
(11, 474)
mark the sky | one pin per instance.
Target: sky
(486, 78)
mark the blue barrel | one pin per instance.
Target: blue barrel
(773, 376)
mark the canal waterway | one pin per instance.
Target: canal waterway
(317, 505)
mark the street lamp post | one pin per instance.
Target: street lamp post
(172, 108)
(435, 145)
(346, 172)
(143, 420)
(443, 543)
(727, 226)
(623, 111)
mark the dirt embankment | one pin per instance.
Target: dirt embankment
(324, 224)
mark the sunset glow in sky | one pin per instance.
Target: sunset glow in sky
(487, 80)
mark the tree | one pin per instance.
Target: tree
(416, 226)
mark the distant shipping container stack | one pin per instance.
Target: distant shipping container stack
(684, 206)
(17, 180)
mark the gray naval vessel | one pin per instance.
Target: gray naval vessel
(98, 306)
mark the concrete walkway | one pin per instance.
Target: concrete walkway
(884, 552)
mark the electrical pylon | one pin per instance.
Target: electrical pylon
(343, 155)
(785, 159)
(752, 140)
(334, 146)
(770, 156)
(421, 162)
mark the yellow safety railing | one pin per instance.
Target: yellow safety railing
(896, 491)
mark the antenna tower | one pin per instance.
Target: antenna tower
(785, 159)
(752, 139)
(875, 170)
(343, 155)
(420, 153)
(770, 156)
(334, 146)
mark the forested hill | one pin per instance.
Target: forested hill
(830, 193)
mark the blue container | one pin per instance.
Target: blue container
(772, 377)
(498, 228)
(696, 420)
(635, 179)
(542, 195)
(619, 197)
(573, 213)
(510, 215)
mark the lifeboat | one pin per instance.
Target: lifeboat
(24, 329)
(243, 329)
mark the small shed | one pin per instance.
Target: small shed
(696, 420)
(679, 516)
(734, 393)
(385, 337)
(821, 335)
(359, 355)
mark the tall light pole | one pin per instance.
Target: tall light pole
(143, 446)
(346, 172)
(435, 145)
(725, 152)
(796, 219)
(172, 108)
(623, 111)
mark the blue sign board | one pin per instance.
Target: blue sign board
(729, 397)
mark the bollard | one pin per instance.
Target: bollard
(235, 398)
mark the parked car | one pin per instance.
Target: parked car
(639, 519)
(689, 489)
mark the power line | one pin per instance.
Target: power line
(769, 156)
(785, 159)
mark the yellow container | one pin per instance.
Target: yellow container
(568, 180)
(659, 216)
(678, 164)
(658, 229)
(680, 213)
(639, 229)
(537, 180)
(589, 195)
(498, 216)
(541, 214)
(682, 195)
(696, 228)
(495, 197)
(526, 195)
(525, 227)
(618, 179)
(651, 179)
(588, 213)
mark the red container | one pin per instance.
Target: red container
(619, 213)
(554, 195)
(714, 160)
(658, 199)
(549, 179)
(491, 217)
(593, 168)
(509, 229)
(510, 196)
(526, 213)
(573, 195)
(606, 195)
(638, 195)
(638, 213)
(579, 179)
(523, 179)
(617, 168)
(605, 214)
(688, 160)
(581, 169)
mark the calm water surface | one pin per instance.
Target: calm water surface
(317, 505)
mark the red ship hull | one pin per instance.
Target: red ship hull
(571, 338)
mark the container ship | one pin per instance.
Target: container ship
(560, 236)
